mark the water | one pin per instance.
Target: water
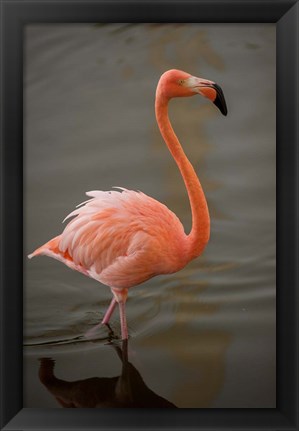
(203, 337)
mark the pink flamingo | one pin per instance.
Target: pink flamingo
(123, 238)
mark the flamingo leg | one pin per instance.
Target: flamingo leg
(121, 296)
(109, 311)
(91, 332)
(123, 320)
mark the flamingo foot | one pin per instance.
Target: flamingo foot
(92, 332)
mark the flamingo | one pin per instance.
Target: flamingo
(122, 237)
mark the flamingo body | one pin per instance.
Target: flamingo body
(123, 238)
(120, 239)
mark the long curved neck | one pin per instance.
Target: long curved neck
(200, 232)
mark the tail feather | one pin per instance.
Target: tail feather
(49, 248)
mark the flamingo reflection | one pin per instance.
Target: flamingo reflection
(126, 390)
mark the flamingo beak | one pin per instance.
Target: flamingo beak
(220, 100)
(208, 89)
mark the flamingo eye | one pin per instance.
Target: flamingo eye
(181, 81)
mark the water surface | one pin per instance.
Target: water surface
(204, 337)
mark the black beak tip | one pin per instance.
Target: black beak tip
(220, 100)
(221, 106)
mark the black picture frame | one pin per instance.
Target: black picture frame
(14, 15)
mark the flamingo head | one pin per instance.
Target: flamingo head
(176, 83)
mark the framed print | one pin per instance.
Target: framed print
(183, 293)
